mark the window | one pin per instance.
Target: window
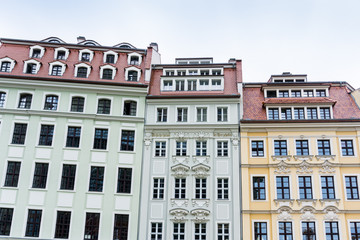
(180, 188)
(121, 225)
(285, 231)
(82, 72)
(77, 104)
(325, 113)
(223, 231)
(169, 73)
(124, 180)
(181, 148)
(31, 68)
(320, 93)
(107, 74)
(162, 114)
(5, 67)
(46, 135)
(259, 188)
(62, 227)
(355, 230)
(60, 55)
(19, 133)
(286, 113)
(156, 231)
(302, 147)
(85, 57)
(51, 102)
(282, 188)
(200, 231)
(295, 93)
(181, 72)
(134, 60)
(312, 113)
(204, 72)
(104, 106)
(36, 53)
(204, 84)
(12, 175)
(222, 114)
(273, 113)
(223, 188)
(158, 189)
(160, 149)
(180, 85)
(308, 230)
(130, 108)
(25, 101)
(68, 177)
(6, 215)
(56, 70)
(305, 187)
(257, 148)
(179, 231)
(73, 137)
(327, 187)
(271, 94)
(132, 76)
(182, 114)
(347, 148)
(201, 114)
(127, 140)
(33, 223)
(280, 147)
(323, 147)
(92, 226)
(2, 99)
(299, 113)
(168, 85)
(200, 188)
(191, 85)
(283, 94)
(193, 72)
(222, 149)
(332, 231)
(40, 175)
(216, 84)
(216, 72)
(352, 191)
(96, 179)
(110, 58)
(201, 148)
(260, 229)
(308, 93)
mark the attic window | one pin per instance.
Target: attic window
(36, 53)
(271, 94)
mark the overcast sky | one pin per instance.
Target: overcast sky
(320, 38)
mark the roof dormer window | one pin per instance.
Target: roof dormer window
(170, 73)
(193, 72)
(216, 72)
(283, 94)
(107, 72)
(181, 72)
(31, 66)
(110, 57)
(295, 93)
(134, 59)
(308, 93)
(321, 93)
(61, 53)
(36, 52)
(82, 70)
(6, 64)
(86, 55)
(271, 94)
(204, 72)
(132, 74)
(57, 68)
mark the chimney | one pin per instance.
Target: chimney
(232, 60)
(154, 46)
(80, 39)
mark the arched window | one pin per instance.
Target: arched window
(107, 74)
(130, 108)
(132, 76)
(25, 101)
(104, 106)
(56, 70)
(51, 102)
(77, 104)
(82, 72)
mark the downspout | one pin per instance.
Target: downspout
(240, 177)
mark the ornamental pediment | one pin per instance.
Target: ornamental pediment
(180, 170)
(200, 170)
(179, 214)
(200, 215)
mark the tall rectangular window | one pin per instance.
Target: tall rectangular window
(222, 114)
(40, 175)
(179, 231)
(51, 102)
(191, 85)
(19, 133)
(33, 223)
(302, 147)
(182, 114)
(73, 137)
(68, 177)
(46, 135)
(223, 188)
(201, 148)
(325, 113)
(347, 148)
(305, 187)
(259, 191)
(223, 231)
(158, 188)
(323, 147)
(121, 226)
(286, 113)
(285, 231)
(282, 187)
(104, 106)
(180, 188)
(127, 140)
(92, 226)
(332, 231)
(156, 231)
(6, 215)
(352, 190)
(124, 180)
(312, 113)
(200, 188)
(162, 114)
(180, 85)
(355, 230)
(200, 231)
(62, 227)
(2, 99)
(181, 148)
(280, 147)
(25, 101)
(257, 148)
(308, 230)
(260, 229)
(160, 149)
(12, 174)
(130, 108)
(100, 138)
(299, 113)
(222, 149)
(77, 104)
(96, 179)
(327, 187)
(273, 114)
(201, 114)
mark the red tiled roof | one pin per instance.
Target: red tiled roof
(316, 100)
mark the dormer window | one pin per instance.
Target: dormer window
(5, 67)
(321, 93)
(56, 70)
(325, 113)
(216, 72)
(134, 60)
(110, 58)
(31, 68)
(204, 84)
(216, 84)
(312, 113)
(308, 93)
(85, 57)
(169, 73)
(180, 85)
(193, 72)
(6, 64)
(168, 85)
(107, 74)
(60, 55)
(295, 93)
(181, 72)
(204, 72)
(82, 72)
(191, 85)
(283, 94)
(271, 94)
(36, 53)
(132, 74)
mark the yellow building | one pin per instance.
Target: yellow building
(300, 164)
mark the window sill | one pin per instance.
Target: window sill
(281, 157)
(38, 189)
(72, 148)
(66, 191)
(284, 201)
(303, 157)
(130, 152)
(99, 150)
(10, 188)
(123, 194)
(325, 157)
(44, 146)
(16, 145)
(95, 193)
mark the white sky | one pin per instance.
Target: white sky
(320, 38)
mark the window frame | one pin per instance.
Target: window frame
(181, 230)
(21, 134)
(26, 102)
(42, 177)
(54, 64)
(160, 195)
(77, 105)
(36, 47)
(199, 236)
(12, 176)
(327, 187)
(59, 49)
(323, 148)
(134, 54)
(224, 113)
(27, 222)
(4, 103)
(73, 137)
(116, 56)
(199, 151)
(101, 139)
(161, 117)
(100, 98)
(7, 59)
(222, 190)
(305, 187)
(161, 148)
(353, 148)
(259, 221)
(98, 188)
(251, 148)
(287, 149)
(82, 51)
(130, 100)
(82, 65)
(357, 222)
(315, 227)
(6, 223)
(286, 234)
(129, 69)
(57, 102)
(183, 115)
(345, 188)
(31, 61)
(201, 115)
(338, 228)
(181, 150)
(128, 141)
(224, 149)
(302, 148)
(282, 192)
(49, 138)
(121, 189)
(223, 235)
(95, 213)
(119, 228)
(252, 176)
(68, 225)
(201, 191)
(179, 188)
(105, 67)
(158, 234)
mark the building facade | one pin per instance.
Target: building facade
(191, 152)
(300, 160)
(71, 125)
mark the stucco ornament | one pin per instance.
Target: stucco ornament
(327, 167)
(179, 202)
(331, 213)
(180, 135)
(285, 214)
(304, 167)
(179, 214)
(147, 140)
(200, 215)
(307, 213)
(180, 170)
(200, 202)
(201, 134)
(200, 170)
(282, 168)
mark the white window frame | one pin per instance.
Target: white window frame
(120, 137)
(292, 228)
(32, 48)
(7, 59)
(6, 91)
(162, 114)
(354, 144)
(182, 114)
(102, 68)
(133, 69)
(39, 132)
(335, 187)
(201, 147)
(287, 146)
(45, 94)
(160, 148)
(181, 148)
(56, 51)
(167, 88)
(312, 186)
(303, 139)
(222, 113)
(339, 228)
(200, 234)
(252, 186)
(116, 56)
(217, 87)
(344, 185)
(201, 189)
(82, 65)
(348, 224)
(223, 236)
(264, 144)
(134, 54)
(97, 104)
(275, 186)
(51, 65)
(81, 126)
(86, 51)
(201, 108)
(130, 99)
(32, 61)
(222, 148)
(159, 188)
(222, 188)
(157, 233)
(178, 234)
(180, 188)
(316, 227)
(77, 95)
